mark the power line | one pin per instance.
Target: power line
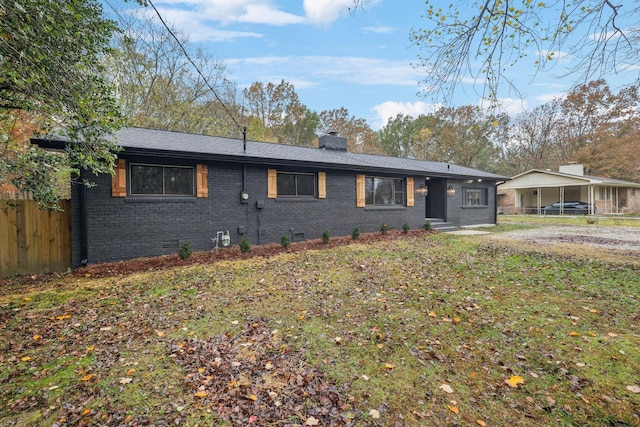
(186, 54)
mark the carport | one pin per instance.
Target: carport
(530, 191)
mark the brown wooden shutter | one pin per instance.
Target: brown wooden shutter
(410, 197)
(360, 198)
(272, 183)
(119, 179)
(322, 185)
(202, 181)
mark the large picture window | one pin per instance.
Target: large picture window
(384, 191)
(296, 184)
(474, 197)
(160, 180)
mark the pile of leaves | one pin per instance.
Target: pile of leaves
(256, 378)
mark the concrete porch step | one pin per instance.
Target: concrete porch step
(440, 225)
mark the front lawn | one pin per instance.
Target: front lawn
(430, 329)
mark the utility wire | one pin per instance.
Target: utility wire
(186, 54)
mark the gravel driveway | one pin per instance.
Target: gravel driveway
(621, 240)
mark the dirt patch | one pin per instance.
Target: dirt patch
(619, 243)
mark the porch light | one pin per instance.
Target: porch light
(451, 191)
(423, 190)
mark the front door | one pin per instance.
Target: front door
(435, 203)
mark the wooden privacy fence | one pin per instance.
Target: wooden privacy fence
(32, 240)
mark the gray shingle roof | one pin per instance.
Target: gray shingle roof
(177, 144)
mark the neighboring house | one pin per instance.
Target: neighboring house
(170, 188)
(530, 191)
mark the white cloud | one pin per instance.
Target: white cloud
(380, 29)
(353, 70)
(198, 30)
(390, 109)
(324, 12)
(228, 11)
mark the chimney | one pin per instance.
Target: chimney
(572, 168)
(331, 141)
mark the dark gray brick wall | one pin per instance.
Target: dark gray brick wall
(128, 227)
(460, 215)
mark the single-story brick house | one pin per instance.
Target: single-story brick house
(528, 192)
(172, 187)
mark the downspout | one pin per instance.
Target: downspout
(84, 239)
(495, 203)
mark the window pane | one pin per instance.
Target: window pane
(474, 197)
(178, 181)
(368, 191)
(306, 185)
(286, 184)
(399, 194)
(384, 192)
(146, 179)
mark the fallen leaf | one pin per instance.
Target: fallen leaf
(375, 414)
(454, 409)
(389, 366)
(574, 334)
(612, 334)
(514, 380)
(87, 377)
(634, 388)
(36, 337)
(201, 393)
(311, 421)
(252, 397)
(125, 380)
(432, 314)
(26, 358)
(86, 411)
(481, 423)
(63, 317)
(446, 387)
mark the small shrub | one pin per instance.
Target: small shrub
(355, 233)
(285, 241)
(405, 228)
(592, 220)
(325, 236)
(384, 228)
(427, 225)
(244, 244)
(185, 250)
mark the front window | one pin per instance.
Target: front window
(384, 191)
(474, 197)
(605, 193)
(160, 180)
(296, 184)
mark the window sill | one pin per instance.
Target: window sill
(476, 207)
(385, 208)
(296, 199)
(159, 199)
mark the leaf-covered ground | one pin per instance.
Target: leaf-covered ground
(425, 329)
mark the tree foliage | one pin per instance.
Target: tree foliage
(462, 135)
(591, 125)
(50, 66)
(158, 88)
(276, 114)
(485, 39)
(360, 137)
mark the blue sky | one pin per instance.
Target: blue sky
(335, 58)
